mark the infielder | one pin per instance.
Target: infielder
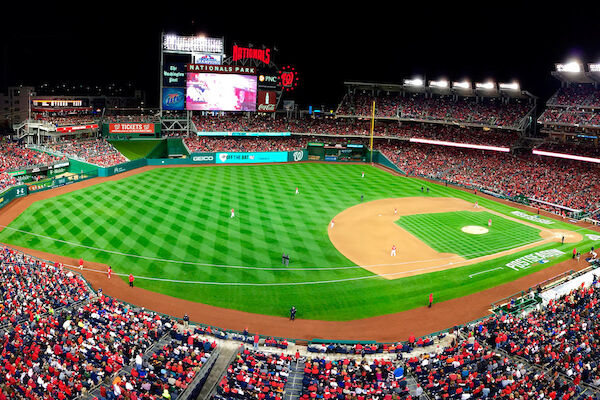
(476, 204)
(393, 250)
(331, 224)
(395, 211)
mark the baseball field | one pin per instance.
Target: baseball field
(171, 228)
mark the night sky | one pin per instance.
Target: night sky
(104, 42)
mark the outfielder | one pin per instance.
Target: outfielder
(232, 213)
(331, 224)
(490, 222)
(297, 191)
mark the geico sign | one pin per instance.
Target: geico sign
(203, 158)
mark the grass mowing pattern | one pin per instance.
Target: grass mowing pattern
(183, 214)
(442, 232)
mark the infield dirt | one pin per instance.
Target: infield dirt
(366, 233)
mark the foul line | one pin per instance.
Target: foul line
(483, 272)
(278, 269)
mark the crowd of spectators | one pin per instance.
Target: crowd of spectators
(60, 340)
(469, 370)
(575, 148)
(165, 374)
(482, 111)
(30, 288)
(576, 96)
(59, 119)
(583, 118)
(561, 182)
(14, 156)
(560, 336)
(255, 375)
(357, 127)
(94, 151)
(380, 379)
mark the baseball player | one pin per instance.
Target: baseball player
(490, 222)
(393, 250)
(109, 272)
(476, 204)
(331, 224)
(395, 211)
(81, 263)
(363, 174)
(297, 191)
(232, 213)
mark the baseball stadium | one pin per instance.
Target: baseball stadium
(422, 240)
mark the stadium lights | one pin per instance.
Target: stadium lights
(509, 86)
(567, 156)
(594, 67)
(417, 82)
(461, 85)
(441, 84)
(571, 66)
(485, 86)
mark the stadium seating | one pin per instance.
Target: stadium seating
(255, 375)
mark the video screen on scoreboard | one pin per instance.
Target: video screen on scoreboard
(220, 92)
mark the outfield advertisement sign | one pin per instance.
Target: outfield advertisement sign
(136, 127)
(34, 170)
(251, 157)
(11, 194)
(203, 158)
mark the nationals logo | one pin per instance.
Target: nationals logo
(288, 78)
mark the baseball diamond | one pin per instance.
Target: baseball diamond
(171, 228)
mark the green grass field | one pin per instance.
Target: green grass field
(174, 224)
(135, 149)
(442, 232)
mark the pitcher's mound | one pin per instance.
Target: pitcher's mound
(474, 230)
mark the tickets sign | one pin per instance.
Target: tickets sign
(131, 128)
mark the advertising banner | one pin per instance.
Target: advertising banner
(131, 128)
(174, 74)
(207, 59)
(67, 129)
(173, 98)
(12, 193)
(203, 158)
(267, 101)
(250, 158)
